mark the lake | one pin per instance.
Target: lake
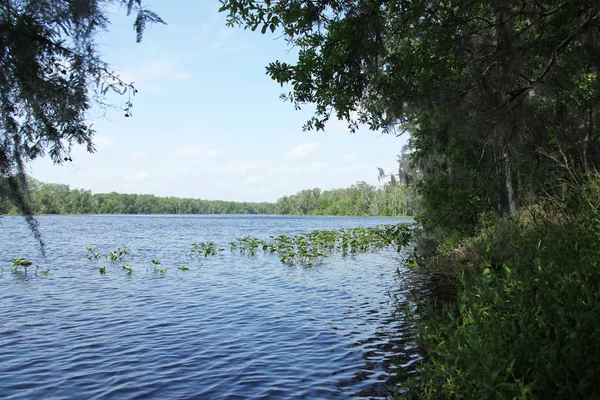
(232, 326)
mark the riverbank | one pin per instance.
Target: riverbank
(526, 319)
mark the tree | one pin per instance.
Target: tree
(50, 75)
(500, 97)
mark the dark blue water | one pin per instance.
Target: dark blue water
(230, 327)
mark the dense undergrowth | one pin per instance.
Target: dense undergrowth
(526, 319)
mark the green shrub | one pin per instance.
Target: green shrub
(526, 321)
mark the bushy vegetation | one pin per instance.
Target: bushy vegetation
(526, 320)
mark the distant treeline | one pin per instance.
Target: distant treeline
(359, 199)
(391, 199)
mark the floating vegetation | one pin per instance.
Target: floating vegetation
(117, 256)
(155, 264)
(20, 262)
(306, 249)
(93, 254)
(311, 248)
(247, 245)
(205, 249)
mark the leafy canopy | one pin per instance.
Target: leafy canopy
(50, 75)
(501, 97)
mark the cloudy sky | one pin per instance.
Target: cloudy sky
(207, 121)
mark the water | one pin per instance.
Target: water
(231, 327)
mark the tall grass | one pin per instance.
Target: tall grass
(526, 320)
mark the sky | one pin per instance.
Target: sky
(207, 122)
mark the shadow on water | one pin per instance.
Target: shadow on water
(391, 354)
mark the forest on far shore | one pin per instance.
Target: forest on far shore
(360, 199)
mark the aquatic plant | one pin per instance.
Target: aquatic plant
(311, 248)
(205, 249)
(93, 254)
(155, 264)
(308, 249)
(248, 245)
(117, 256)
(20, 262)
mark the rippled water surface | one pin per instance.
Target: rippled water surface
(231, 327)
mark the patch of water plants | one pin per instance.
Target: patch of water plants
(203, 249)
(114, 257)
(311, 248)
(20, 262)
(307, 249)
(24, 265)
(117, 257)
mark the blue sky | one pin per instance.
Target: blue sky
(207, 121)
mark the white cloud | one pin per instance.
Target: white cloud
(139, 176)
(302, 151)
(194, 153)
(317, 166)
(138, 155)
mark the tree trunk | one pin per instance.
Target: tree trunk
(511, 194)
(586, 140)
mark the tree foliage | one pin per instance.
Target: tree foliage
(50, 74)
(360, 199)
(52, 198)
(500, 97)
